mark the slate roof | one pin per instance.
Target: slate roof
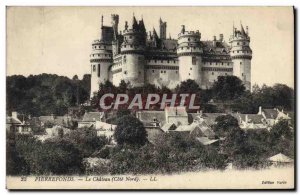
(270, 113)
(148, 116)
(253, 118)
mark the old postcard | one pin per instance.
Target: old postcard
(150, 98)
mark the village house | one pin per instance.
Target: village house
(251, 121)
(17, 123)
(90, 119)
(272, 116)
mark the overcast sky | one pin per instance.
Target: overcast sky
(58, 39)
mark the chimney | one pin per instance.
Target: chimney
(260, 111)
(14, 114)
(221, 37)
(214, 41)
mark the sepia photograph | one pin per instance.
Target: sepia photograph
(150, 98)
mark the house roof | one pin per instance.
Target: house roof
(202, 129)
(92, 116)
(105, 126)
(280, 158)
(205, 141)
(149, 116)
(176, 111)
(168, 126)
(270, 113)
(252, 118)
(190, 127)
(11, 120)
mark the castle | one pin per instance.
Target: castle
(138, 57)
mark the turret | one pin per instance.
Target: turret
(132, 51)
(189, 53)
(162, 29)
(241, 55)
(101, 57)
(115, 23)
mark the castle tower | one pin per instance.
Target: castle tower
(132, 52)
(241, 55)
(101, 58)
(162, 29)
(189, 55)
(115, 23)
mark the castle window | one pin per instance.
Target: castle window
(228, 63)
(94, 68)
(161, 71)
(189, 74)
(238, 51)
(226, 74)
(98, 70)
(104, 47)
(210, 63)
(191, 69)
(212, 73)
(130, 46)
(244, 43)
(238, 43)
(130, 37)
(153, 71)
(232, 51)
(176, 72)
(189, 39)
(162, 61)
(124, 59)
(194, 60)
(168, 61)
(188, 47)
(125, 72)
(174, 61)
(155, 61)
(165, 71)
(222, 63)
(242, 74)
(240, 62)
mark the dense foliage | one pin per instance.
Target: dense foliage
(251, 148)
(60, 155)
(45, 94)
(131, 131)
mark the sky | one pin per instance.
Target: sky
(57, 40)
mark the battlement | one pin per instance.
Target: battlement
(189, 33)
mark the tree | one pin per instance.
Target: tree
(228, 88)
(245, 104)
(130, 131)
(281, 130)
(86, 141)
(224, 124)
